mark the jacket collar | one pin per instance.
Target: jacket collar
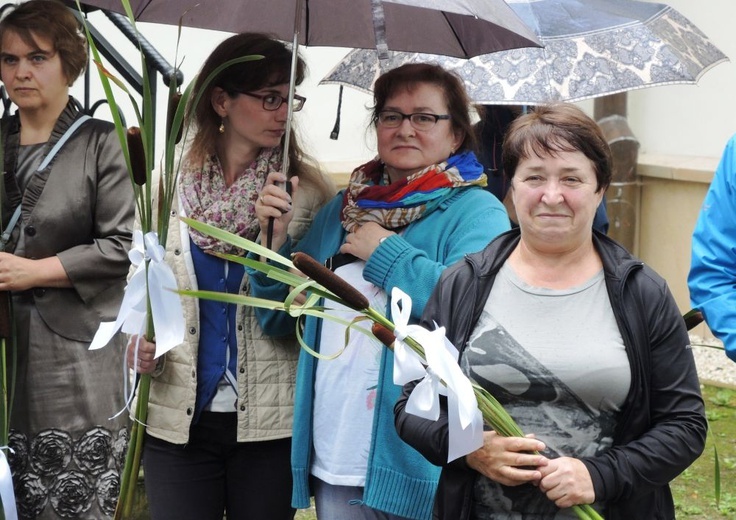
(11, 128)
(617, 261)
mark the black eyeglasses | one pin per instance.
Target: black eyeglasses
(273, 102)
(419, 120)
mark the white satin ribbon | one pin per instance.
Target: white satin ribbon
(465, 421)
(6, 488)
(156, 283)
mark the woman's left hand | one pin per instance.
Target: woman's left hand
(140, 354)
(19, 274)
(566, 481)
(363, 240)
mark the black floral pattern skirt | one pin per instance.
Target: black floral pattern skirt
(67, 450)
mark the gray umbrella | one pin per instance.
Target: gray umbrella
(460, 28)
(591, 48)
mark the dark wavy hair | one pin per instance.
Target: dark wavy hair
(408, 76)
(273, 69)
(556, 128)
(54, 21)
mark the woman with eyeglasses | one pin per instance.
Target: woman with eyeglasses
(221, 404)
(404, 217)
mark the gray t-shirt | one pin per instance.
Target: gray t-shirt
(556, 361)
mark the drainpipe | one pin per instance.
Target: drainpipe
(624, 194)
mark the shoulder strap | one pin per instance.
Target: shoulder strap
(63, 139)
(9, 229)
(49, 157)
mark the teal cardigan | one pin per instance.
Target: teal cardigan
(399, 480)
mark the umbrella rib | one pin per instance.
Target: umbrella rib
(457, 38)
(306, 21)
(142, 8)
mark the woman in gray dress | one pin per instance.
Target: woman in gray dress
(68, 204)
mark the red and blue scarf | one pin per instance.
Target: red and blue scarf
(370, 198)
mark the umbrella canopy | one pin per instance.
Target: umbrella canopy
(460, 28)
(591, 48)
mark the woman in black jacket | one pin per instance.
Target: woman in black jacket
(582, 343)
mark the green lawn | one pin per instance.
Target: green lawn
(306, 514)
(694, 490)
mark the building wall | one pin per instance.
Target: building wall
(672, 192)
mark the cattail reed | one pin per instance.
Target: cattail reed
(383, 334)
(173, 105)
(350, 295)
(137, 156)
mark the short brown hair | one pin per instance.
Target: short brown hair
(52, 20)
(561, 127)
(408, 76)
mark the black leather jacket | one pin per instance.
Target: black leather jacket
(662, 427)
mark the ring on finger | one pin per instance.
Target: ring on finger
(261, 199)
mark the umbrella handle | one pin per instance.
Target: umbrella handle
(269, 232)
(290, 110)
(269, 236)
(292, 84)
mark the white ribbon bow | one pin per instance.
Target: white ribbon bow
(158, 286)
(465, 420)
(6, 488)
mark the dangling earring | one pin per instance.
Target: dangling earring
(222, 126)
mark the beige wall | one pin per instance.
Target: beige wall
(672, 191)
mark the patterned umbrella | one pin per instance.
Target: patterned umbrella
(591, 48)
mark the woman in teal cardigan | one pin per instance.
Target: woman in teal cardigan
(402, 220)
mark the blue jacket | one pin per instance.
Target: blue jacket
(399, 480)
(712, 278)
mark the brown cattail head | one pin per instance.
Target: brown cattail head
(693, 318)
(384, 335)
(173, 105)
(137, 156)
(320, 274)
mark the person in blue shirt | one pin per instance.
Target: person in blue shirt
(712, 277)
(416, 209)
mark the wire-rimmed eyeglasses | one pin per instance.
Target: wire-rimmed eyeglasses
(273, 102)
(419, 120)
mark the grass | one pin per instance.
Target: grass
(306, 514)
(694, 490)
